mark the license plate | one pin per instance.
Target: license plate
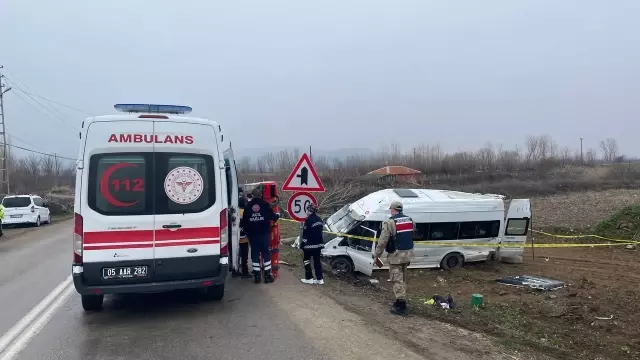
(127, 272)
(16, 216)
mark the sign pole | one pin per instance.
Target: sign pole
(302, 180)
(302, 222)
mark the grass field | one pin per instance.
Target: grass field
(595, 317)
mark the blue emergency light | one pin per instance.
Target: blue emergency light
(151, 108)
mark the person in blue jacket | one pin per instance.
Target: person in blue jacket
(312, 244)
(257, 227)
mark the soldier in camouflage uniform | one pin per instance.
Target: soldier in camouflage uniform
(397, 239)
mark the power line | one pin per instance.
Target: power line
(41, 153)
(53, 101)
(29, 92)
(49, 108)
(45, 114)
(11, 136)
(59, 116)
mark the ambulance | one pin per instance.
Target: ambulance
(156, 202)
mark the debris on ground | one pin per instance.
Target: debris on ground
(442, 302)
(533, 282)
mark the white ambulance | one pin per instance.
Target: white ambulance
(156, 194)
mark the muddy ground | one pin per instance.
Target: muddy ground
(595, 316)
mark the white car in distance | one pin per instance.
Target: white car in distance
(25, 209)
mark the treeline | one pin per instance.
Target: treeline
(538, 153)
(39, 174)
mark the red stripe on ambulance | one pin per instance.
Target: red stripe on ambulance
(187, 234)
(140, 239)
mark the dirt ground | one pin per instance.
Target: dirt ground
(595, 316)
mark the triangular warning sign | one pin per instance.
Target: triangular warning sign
(303, 177)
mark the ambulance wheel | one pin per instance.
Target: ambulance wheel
(452, 261)
(215, 292)
(341, 264)
(92, 302)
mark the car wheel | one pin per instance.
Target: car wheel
(452, 261)
(92, 302)
(215, 292)
(49, 220)
(37, 222)
(341, 264)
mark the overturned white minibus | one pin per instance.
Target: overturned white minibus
(440, 216)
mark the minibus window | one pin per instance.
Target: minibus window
(443, 231)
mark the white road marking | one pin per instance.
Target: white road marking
(37, 313)
(35, 328)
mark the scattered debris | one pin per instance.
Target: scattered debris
(374, 281)
(630, 247)
(533, 282)
(604, 318)
(441, 302)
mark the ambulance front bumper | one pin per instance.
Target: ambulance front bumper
(149, 287)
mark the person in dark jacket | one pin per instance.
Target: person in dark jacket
(257, 227)
(312, 244)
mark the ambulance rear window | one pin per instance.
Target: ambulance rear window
(185, 183)
(119, 184)
(151, 183)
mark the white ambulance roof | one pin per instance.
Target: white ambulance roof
(136, 116)
(427, 200)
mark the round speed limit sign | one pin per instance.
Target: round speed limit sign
(297, 206)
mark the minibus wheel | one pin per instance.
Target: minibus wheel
(452, 261)
(341, 264)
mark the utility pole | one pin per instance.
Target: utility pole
(581, 154)
(4, 171)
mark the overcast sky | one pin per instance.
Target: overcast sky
(331, 74)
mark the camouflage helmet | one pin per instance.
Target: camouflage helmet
(396, 205)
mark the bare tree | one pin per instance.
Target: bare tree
(532, 155)
(609, 149)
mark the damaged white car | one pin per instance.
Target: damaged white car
(440, 216)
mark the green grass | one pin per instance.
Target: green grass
(624, 224)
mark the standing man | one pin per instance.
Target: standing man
(397, 239)
(256, 224)
(312, 244)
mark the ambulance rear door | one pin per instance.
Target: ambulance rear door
(188, 202)
(231, 176)
(116, 203)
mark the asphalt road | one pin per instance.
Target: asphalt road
(283, 320)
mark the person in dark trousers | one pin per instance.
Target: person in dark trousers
(243, 242)
(256, 224)
(312, 244)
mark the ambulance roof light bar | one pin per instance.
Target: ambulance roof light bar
(151, 108)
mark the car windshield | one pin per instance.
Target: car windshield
(13, 202)
(341, 221)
